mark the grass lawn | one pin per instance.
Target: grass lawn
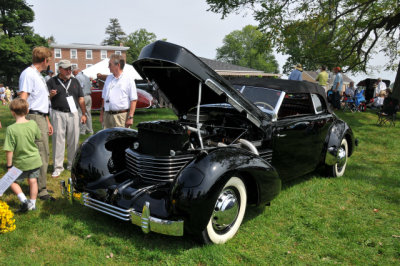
(354, 219)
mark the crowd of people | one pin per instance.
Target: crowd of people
(59, 106)
(335, 93)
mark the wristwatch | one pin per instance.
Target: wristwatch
(130, 117)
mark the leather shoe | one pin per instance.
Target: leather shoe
(47, 197)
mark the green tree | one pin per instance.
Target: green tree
(248, 48)
(333, 32)
(115, 33)
(17, 39)
(136, 41)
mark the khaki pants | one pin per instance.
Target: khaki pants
(87, 128)
(66, 127)
(115, 120)
(43, 146)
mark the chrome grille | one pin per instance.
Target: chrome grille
(156, 168)
(266, 155)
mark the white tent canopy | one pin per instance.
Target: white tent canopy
(102, 68)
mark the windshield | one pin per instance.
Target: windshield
(264, 98)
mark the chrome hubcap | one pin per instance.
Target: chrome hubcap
(225, 211)
(341, 157)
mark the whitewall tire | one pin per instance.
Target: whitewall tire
(228, 213)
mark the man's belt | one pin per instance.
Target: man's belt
(33, 112)
(117, 112)
(64, 110)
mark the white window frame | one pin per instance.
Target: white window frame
(76, 54)
(89, 65)
(56, 68)
(118, 52)
(103, 54)
(91, 54)
(57, 53)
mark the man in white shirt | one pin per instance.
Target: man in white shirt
(33, 88)
(381, 86)
(119, 96)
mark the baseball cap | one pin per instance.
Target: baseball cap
(64, 64)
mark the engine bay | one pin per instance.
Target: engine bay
(217, 126)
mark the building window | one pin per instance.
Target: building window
(103, 54)
(74, 54)
(56, 68)
(57, 53)
(89, 65)
(89, 54)
(118, 52)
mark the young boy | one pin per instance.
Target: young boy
(22, 152)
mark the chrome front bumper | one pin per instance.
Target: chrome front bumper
(142, 219)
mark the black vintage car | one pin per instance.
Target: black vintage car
(233, 145)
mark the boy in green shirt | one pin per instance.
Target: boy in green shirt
(22, 152)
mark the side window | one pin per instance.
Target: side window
(318, 103)
(296, 104)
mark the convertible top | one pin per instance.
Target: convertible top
(288, 86)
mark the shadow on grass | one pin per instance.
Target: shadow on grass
(104, 227)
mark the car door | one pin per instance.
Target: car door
(298, 136)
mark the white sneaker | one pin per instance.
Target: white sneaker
(31, 207)
(56, 173)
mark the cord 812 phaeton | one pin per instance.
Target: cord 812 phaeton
(233, 145)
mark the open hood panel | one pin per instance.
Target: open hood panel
(178, 73)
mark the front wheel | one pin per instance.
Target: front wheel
(338, 168)
(228, 213)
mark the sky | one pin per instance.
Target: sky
(183, 22)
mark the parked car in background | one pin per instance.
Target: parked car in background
(233, 145)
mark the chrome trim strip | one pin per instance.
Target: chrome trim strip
(278, 106)
(215, 86)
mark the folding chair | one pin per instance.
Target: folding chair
(387, 115)
(359, 101)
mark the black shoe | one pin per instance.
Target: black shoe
(47, 197)
(23, 207)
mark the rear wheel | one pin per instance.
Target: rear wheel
(339, 168)
(228, 213)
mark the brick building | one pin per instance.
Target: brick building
(83, 55)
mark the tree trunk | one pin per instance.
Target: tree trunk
(396, 85)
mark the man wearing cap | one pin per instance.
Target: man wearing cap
(119, 96)
(86, 85)
(381, 86)
(65, 95)
(337, 87)
(297, 73)
(32, 87)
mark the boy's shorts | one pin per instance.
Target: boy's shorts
(29, 174)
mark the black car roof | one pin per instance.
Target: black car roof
(288, 86)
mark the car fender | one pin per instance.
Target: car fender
(197, 187)
(337, 132)
(101, 156)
